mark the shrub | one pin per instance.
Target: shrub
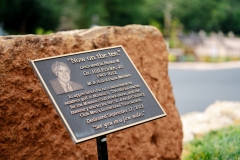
(221, 144)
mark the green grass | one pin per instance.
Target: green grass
(223, 144)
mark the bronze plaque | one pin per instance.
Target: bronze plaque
(97, 92)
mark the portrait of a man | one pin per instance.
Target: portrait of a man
(62, 83)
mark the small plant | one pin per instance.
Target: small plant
(220, 145)
(41, 31)
(172, 58)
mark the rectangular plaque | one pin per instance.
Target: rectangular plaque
(97, 92)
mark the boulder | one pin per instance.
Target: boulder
(224, 108)
(30, 126)
(218, 115)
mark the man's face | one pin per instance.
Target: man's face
(63, 74)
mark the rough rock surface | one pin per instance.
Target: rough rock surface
(30, 126)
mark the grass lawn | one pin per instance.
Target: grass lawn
(223, 144)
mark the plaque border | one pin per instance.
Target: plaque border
(32, 62)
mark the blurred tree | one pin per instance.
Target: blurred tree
(25, 16)
(231, 21)
(197, 14)
(161, 12)
(70, 15)
(155, 23)
(122, 12)
(91, 12)
(111, 12)
(175, 30)
(213, 15)
(155, 11)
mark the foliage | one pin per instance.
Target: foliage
(218, 59)
(222, 144)
(24, 16)
(172, 58)
(125, 12)
(155, 23)
(193, 14)
(208, 15)
(160, 11)
(42, 31)
(90, 12)
(174, 41)
(232, 14)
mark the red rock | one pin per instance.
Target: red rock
(30, 126)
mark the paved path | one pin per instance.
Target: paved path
(197, 85)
